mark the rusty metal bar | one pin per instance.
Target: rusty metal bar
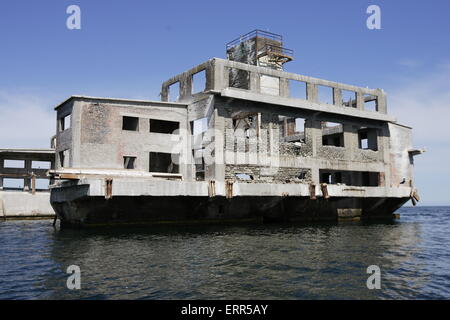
(229, 189)
(312, 192)
(324, 188)
(108, 188)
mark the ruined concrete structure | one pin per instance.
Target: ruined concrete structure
(24, 182)
(235, 139)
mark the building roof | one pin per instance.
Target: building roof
(30, 151)
(118, 100)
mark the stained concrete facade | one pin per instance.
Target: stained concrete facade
(260, 148)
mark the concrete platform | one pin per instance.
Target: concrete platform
(24, 205)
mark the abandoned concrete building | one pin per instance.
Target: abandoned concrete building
(233, 139)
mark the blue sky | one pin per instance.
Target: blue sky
(127, 48)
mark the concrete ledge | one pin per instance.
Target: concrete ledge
(304, 104)
(15, 204)
(123, 187)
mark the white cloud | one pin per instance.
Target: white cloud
(424, 103)
(410, 63)
(27, 120)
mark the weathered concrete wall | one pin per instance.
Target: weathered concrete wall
(401, 168)
(15, 204)
(96, 138)
(244, 155)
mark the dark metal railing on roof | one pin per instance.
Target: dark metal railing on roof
(269, 48)
(255, 33)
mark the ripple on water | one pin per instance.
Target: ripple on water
(231, 262)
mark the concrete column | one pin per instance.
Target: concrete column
(337, 97)
(359, 100)
(2, 165)
(221, 75)
(219, 126)
(284, 87)
(316, 135)
(165, 93)
(350, 141)
(27, 181)
(255, 82)
(311, 92)
(186, 87)
(382, 103)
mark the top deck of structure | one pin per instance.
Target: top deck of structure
(34, 154)
(217, 82)
(117, 100)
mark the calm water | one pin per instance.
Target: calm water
(231, 262)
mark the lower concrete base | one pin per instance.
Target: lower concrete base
(23, 205)
(95, 211)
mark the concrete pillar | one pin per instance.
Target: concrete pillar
(2, 165)
(311, 92)
(221, 75)
(350, 141)
(382, 103)
(27, 181)
(255, 82)
(284, 87)
(337, 97)
(165, 93)
(219, 127)
(359, 100)
(186, 87)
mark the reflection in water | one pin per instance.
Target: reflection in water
(229, 262)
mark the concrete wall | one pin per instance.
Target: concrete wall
(96, 138)
(23, 204)
(268, 95)
(400, 142)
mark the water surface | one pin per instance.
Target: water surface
(282, 261)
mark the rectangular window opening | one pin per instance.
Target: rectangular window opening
(174, 92)
(13, 184)
(293, 129)
(348, 98)
(42, 184)
(350, 178)
(130, 123)
(199, 162)
(297, 89)
(244, 176)
(239, 79)
(164, 162)
(332, 134)
(40, 164)
(325, 94)
(368, 139)
(64, 158)
(164, 126)
(199, 126)
(370, 103)
(65, 122)
(129, 162)
(199, 82)
(19, 164)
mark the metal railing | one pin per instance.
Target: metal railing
(255, 33)
(269, 48)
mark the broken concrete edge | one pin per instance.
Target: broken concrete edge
(121, 100)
